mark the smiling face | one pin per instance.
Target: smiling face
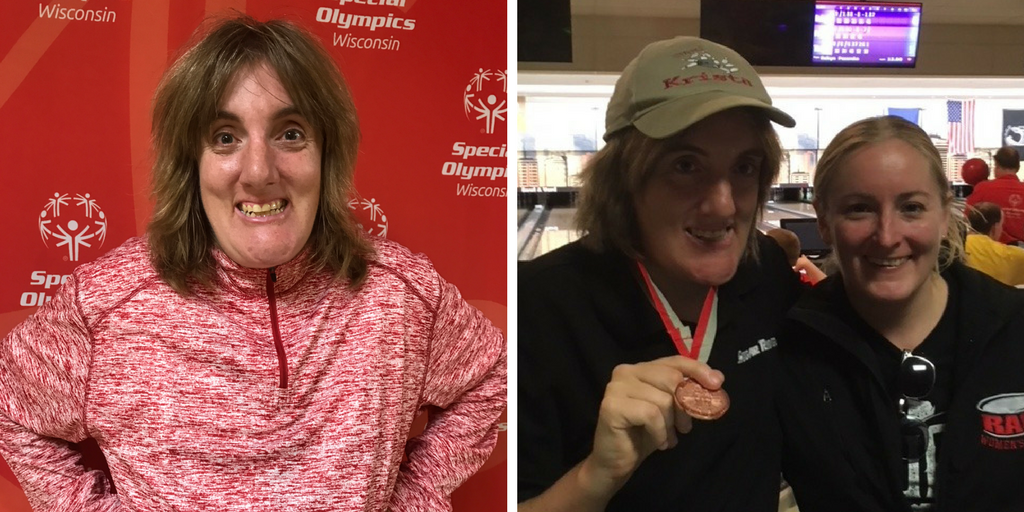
(696, 211)
(885, 221)
(259, 172)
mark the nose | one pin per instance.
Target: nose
(887, 233)
(718, 199)
(257, 165)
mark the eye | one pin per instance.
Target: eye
(224, 139)
(749, 168)
(685, 165)
(856, 209)
(293, 135)
(913, 208)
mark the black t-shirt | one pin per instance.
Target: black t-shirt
(582, 313)
(844, 448)
(922, 420)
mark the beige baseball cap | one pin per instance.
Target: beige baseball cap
(672, 84)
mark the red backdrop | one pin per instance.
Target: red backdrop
(428, 77)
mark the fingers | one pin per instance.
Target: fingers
(683, 421)
(637, 393)
(683, 367)
(624, 411)
(639, 414)
(639, 404)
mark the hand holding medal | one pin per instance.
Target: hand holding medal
(646, 404)
(700, 402)
(690, 396)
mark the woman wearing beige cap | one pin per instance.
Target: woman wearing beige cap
(671, 297)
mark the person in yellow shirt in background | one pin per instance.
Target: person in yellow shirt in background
(985, 253)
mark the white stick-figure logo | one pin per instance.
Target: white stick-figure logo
(376, 214)
(482, 100)
(53, 205)
(75, 232)
(702, 58)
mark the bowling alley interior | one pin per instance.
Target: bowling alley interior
(957, 58)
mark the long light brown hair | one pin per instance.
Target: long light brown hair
(185, 106)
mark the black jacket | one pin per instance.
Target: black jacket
(582, 313)
(841, 429)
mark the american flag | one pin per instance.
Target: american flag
(960, 115)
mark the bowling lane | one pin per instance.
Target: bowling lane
(558, 231)
(773, 212)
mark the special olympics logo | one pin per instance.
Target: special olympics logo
(482, 99)
(704, 59)
(376, 215)
(72, 228)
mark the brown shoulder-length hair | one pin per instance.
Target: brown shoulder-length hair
(185, 106)
(624, 166)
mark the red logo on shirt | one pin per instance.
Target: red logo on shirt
(1002, 421)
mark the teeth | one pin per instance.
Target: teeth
(710, 236)
(262, 210)
(888, 262)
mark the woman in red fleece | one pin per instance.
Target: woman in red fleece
(255, 351)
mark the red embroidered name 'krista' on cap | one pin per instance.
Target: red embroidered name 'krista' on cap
(674, 83)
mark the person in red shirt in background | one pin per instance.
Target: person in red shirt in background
(1006, 191)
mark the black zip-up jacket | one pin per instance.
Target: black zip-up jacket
(841, 431)
(582, 313)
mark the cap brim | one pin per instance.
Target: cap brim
(679, 114)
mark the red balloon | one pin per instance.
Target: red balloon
(974, 171)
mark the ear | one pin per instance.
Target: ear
(823, 227)
(997, 230)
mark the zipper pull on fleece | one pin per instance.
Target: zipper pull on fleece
(282, 360)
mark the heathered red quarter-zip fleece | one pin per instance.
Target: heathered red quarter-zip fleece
(184, 394)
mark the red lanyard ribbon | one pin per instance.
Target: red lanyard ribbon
(693, 346)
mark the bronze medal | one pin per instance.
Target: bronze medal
(700, 402)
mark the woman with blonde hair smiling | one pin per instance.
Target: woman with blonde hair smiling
(902, 387)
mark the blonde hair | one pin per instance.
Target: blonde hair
(873, 130)
(606, 213)
(186, 104)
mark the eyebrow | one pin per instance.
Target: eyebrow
(901, 197)
(682, 146)
(281, 113)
